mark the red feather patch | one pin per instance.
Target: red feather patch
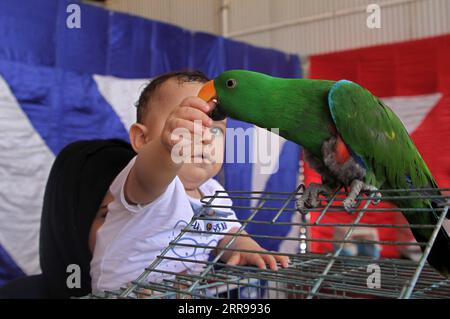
(342, 154)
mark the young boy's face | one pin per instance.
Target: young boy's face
(168, 97)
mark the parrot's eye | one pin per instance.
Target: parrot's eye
(231, 83)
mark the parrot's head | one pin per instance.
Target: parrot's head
(239, 94)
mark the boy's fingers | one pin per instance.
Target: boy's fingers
(234, 259)
(258, 260)
(193, 114)
(283, 260)
(197, 103)
(193, 128)
(271, 261)
(212, 104)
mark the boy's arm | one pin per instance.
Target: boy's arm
(151, 173)
(154, 168)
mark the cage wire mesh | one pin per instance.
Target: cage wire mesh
(328, 274)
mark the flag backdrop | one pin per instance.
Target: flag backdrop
(413, 78)
(58, 85)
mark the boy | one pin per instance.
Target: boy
(155, 196)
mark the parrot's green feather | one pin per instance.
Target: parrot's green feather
(376, 134)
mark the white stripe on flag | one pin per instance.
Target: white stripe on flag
(121, 94)
(25, 162)
(266, 156)
(412, 110)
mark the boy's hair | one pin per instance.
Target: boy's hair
(182, 76)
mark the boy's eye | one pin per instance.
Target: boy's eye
(215, 131)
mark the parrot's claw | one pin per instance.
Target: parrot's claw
(310, 197)
(349, 203)
(356, 188)
(374, 193)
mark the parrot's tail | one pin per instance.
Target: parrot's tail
(439, 202)
(439, 256)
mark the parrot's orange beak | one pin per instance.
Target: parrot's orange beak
(208, 91)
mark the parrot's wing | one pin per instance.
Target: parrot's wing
(377, 138)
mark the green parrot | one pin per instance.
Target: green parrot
(348, 136)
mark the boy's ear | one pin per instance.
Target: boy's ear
(138, 136)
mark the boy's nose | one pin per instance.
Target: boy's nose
(208, 137)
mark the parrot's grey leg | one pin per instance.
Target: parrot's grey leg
(375, 193)
(310, 197)
(356, 187)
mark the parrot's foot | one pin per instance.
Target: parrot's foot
(310, 197)
(356, 188)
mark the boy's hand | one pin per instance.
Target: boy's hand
(157, 164)
(189, 117)
(259, 258)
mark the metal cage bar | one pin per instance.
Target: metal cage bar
(311, 274)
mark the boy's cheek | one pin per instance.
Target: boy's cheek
(216, 169)
(218, 154)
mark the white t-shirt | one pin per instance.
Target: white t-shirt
(133, 235)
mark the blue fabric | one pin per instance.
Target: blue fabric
(27, 31)
(282, 181)
(130, 50)
(85, 49)
(8, 268)
(49, 69)
(170, 48)
(112, 43)
(208, 54)
(238, 176)
(63, 106)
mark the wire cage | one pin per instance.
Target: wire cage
(348, 269)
